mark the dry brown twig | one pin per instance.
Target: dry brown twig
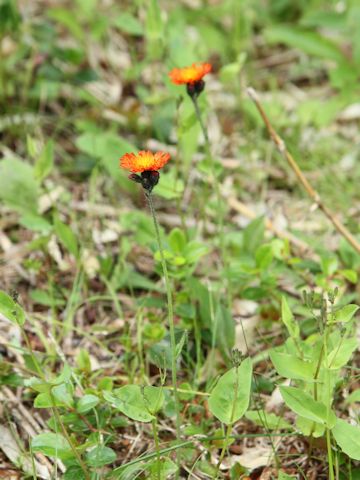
(281, 146)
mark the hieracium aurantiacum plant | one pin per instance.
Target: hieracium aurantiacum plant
(145, 167)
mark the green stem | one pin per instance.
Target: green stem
(223, 450)
(330, 459)
(219, 202)
(68, 438)
(157, 448)
(170, 315)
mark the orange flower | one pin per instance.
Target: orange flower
(189, 75)
(144, 161)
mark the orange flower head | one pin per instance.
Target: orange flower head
(144, 161)
(189, 75)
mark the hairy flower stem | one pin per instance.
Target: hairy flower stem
(220, 213)
(170, 313)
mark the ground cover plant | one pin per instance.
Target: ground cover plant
(180, 241)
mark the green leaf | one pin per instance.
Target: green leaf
(154, 398)
(86, 403)
(53, 445)
(169, 186)
(345, 314)
(285, 476)
(224, 329)
(100, 456)
(62, 394)
(18, 187)
(290, 366)
(11, 310)
(253, 235)
(288, 319)
(66, 237)
(342, 353)
(348, 438)
(230, 398)
(264, 256)
(154, 30)
(45, 161)
(129, 24)
(108, 147)
(303, 404)
(130, 400)
(177, 240)
(309, 427)
(44, 400)
(31, 146)
(269, 420)
(353, 397)
(308, 41)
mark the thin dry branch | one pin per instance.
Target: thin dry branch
(281, 146)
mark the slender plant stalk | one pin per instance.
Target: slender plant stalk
(157, 447)
(170, 314)
(220, 213)
(68, 438)
(330, 459)
(281, 146)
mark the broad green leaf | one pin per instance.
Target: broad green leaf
(290, 366)
(53, 445)
(267, 420)
(45, 161)
(18, 187)
(230, 398)
(100, 456)
(303, 404)
(36, 223)
(154, 398)
(342, 353)
(86, 403)
(309, 427)
(63, 393)
(345, 314)
(177, 240)
(288, 319)
(11, 310)
(129, 399)
(45, 400)
(348, 438)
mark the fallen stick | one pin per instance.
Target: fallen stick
(281, 146)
